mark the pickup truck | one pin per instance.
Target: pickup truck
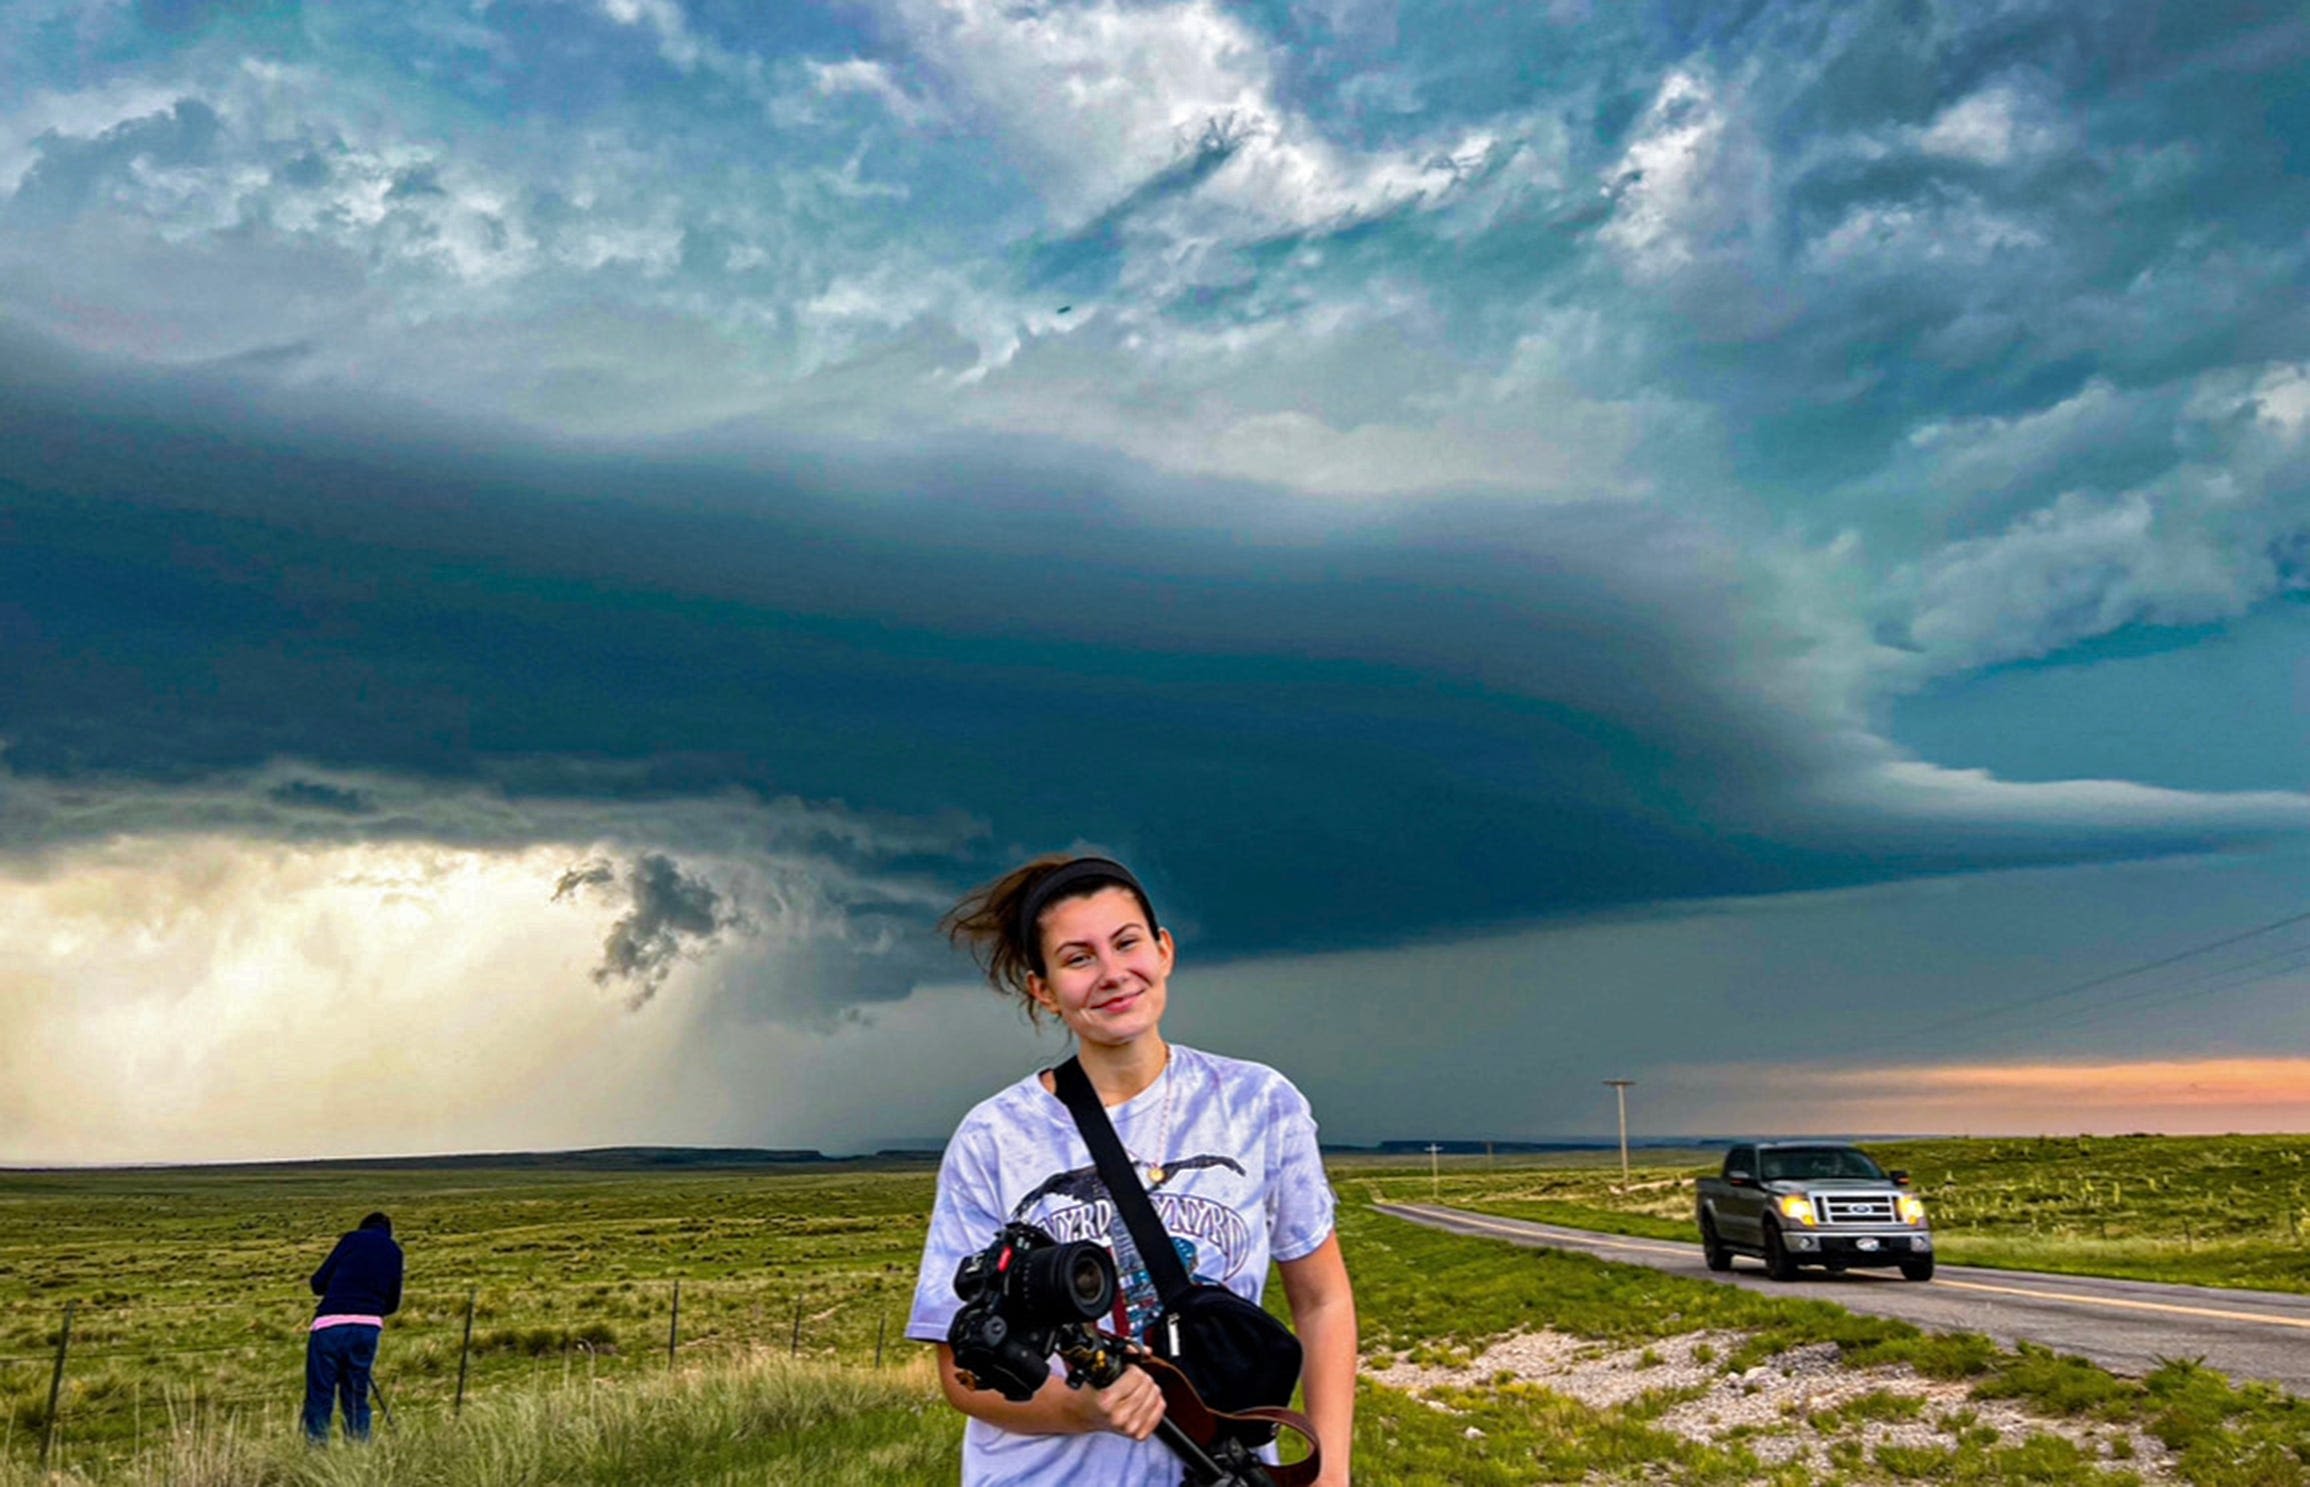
(1798, 1203)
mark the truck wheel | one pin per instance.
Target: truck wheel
(1920, 1268)
(1778, 1262)
(1712, 1248)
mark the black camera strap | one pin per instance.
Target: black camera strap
(1122, 1180)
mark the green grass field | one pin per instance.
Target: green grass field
(2211, 1210)
(186, 1363)
(189, 1289)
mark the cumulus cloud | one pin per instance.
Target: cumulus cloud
(2009, 119)
(664, 18)
(1685, 188)
(857, 75)
(1268, 276)
(1100, 96)
(2222, 524)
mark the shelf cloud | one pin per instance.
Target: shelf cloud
(736, 480)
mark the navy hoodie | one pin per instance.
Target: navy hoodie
(361, 1277)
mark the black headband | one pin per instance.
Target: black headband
(1054, 886)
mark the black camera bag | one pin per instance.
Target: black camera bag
(1236, 1354)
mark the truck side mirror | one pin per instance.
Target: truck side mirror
(1900, 1178)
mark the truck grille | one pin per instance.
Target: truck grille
(1854, 1208)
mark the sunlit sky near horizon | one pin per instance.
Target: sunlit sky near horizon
(1761, 548)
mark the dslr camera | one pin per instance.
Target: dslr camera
(1025, 1297)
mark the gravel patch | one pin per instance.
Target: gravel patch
(1793, 1406)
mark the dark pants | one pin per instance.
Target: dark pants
(337, 1364)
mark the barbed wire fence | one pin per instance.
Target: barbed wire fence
(702, 1321)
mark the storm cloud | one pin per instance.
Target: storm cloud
(1314, 727)
(1397, 478)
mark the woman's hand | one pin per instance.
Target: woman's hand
(1132, 1405)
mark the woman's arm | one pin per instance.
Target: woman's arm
(1131, 1406)
(1323, 1313)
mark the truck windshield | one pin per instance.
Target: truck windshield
(1802, 1163)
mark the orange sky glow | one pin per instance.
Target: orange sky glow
(2173, 1096)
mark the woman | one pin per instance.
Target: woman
(1225, 1148)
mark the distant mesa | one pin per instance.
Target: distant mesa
(592, 1159)
(1462, 1148)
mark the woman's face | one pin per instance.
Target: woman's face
(1106, 973)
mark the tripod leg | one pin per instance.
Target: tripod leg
(1203, 1470)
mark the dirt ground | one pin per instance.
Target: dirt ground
(1785, 1408)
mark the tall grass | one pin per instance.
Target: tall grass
(760, 1419)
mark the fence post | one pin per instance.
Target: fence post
(674, 1327)
(56, 1385)
(796, 1350)
(464, 1354)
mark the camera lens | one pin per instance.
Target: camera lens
(1087, 1278)
(1067, 1283)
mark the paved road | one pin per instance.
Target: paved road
(2126, 1326)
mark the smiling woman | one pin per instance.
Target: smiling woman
(1224, 1150)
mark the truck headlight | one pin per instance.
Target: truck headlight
(1912, 1209)
(1799, 1207)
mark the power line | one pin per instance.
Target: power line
(2077, 988)
(2227, 979)
(2215, 978)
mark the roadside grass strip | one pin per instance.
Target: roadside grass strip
(2193, 1210)
(1486, 1363)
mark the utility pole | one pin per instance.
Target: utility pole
(1435, 1179)
(1620, 1093)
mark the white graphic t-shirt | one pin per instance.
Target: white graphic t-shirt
(1242, 1184)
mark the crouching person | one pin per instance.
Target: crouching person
(359, 1286)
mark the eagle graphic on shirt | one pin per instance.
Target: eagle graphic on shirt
(1212, 1239)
